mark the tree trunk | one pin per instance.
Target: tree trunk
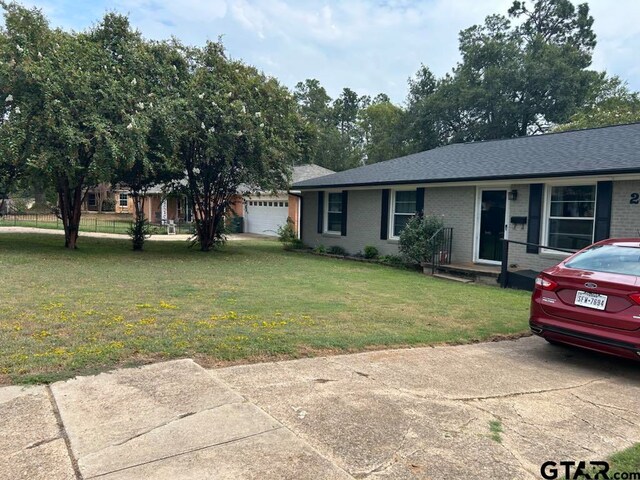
(70, 204)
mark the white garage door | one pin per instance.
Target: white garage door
(265, 216)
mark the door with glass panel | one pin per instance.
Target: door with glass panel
(493, 212)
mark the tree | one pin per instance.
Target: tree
(322, 141)
(15, 119)
(79, 102)
(160, 71)
(382, 123)
(513, 80)
(346, 111)
(612, 104)
(234, 130)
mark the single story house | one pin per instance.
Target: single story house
(261, 213)
(563, 190)
(264, 213)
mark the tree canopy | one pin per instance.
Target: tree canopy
(107, 106)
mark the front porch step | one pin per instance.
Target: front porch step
(452, 278)
(466, 272)
(471, 270)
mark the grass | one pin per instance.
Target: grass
(626, 461)
(65, 313)
(495, 427)
(622, 465)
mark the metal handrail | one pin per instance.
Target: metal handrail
(445, 237)
(504, 267)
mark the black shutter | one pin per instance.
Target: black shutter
(384, 217)
(535, 216)
(343, 226)
(604, 196)
(420, 200)
(320, 211)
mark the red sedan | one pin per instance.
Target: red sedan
(592, 299)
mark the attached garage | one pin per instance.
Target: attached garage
(265, 215)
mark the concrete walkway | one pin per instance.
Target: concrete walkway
(120, 236)
(417, 413)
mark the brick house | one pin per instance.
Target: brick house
(559, 190)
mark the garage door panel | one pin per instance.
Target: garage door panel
(265, 216)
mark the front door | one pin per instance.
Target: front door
(492, 225)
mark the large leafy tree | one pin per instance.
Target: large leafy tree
(234, 131)
(613, 103)
(76, 98)
(16, 118)
(159, 71)
(513, 79)
(382, 123)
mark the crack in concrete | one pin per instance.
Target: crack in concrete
(166, 457)
(605, 408)
(164, 424)
(42, 442)
(528, 392)
(63, 433)
(545, 432)
(395, 457)
(524, 464)
(145, 432)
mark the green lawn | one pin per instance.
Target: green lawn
(65, 313)
(626, 461)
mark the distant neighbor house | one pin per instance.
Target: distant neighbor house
(563, 190)
(264, 213)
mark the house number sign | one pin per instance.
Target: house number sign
(635, 199)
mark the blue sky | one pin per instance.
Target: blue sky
(370, 46)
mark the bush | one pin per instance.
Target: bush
(109, 205)
(296, 244)
(414, 239)
(370, 252)
(336, 250)
(139, 231)
(287, 234)
(320, 249)
(395, 260)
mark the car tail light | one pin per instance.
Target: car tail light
(635, 297)
(544, 283)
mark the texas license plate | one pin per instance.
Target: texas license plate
(591, 300)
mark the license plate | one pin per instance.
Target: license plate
(591, 300)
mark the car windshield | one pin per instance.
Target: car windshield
(608, 258)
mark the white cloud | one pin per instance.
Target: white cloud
(368, 46)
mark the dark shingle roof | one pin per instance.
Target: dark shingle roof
(594, 151)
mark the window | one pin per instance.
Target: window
(92, 199)
(571, 215)
(624, 260)
(333, 220)
(286, 204)
(124, 199)
(403, 208)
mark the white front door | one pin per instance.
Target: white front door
(491, 224)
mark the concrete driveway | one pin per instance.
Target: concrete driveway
(494, 411)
